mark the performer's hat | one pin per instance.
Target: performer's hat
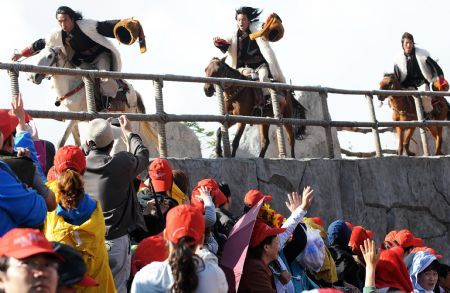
(272, 30)
(128, 30)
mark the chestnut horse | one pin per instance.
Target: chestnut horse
(404, 109)
(241, 100)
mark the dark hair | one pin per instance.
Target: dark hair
(444, 270)
(434, 266)
(4, 263)
(106, 149)
(408, 36)
(181, 180)
(257, 251)
(184, 264)
(69, 12)
(71, 188)
(225, 189)
(251, 13)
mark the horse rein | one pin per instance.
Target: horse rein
(237, 89)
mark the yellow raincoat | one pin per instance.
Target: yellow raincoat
(88, 239)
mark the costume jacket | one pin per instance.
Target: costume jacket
(264, 47)
(428, 68)
(88, 238)
(95, 30)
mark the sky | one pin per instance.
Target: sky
(346, 44)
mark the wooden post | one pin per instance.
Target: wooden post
(280, 133)
(90, 94)
(224, 125)
(326, 117)
(420, 117)
(159, 104)
(376, 135)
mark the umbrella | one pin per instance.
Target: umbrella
(235, 249)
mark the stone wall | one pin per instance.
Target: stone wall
(381, 194)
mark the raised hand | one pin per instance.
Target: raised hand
(294, 201)
(307, 197)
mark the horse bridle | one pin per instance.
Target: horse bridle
(225, 69)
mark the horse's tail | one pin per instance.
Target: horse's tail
(299, 112)
(140, 103)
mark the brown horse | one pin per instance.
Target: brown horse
(242, 100)
(404, 109)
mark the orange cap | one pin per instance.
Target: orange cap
(253, 196)
(185, 220)
(161, 175)
(70, 157)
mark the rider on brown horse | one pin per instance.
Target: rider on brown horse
(253, 56)
(415, 69)
(86, 46)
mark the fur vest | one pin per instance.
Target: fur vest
(265, 49)
(421, 56)
(88, 27)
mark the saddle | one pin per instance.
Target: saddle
(112, 104)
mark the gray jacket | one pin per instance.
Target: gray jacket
(109, 179)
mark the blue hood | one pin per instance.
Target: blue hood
(338, 233)
(421, 261)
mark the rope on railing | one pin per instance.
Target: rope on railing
(14, 81)
(423, 134)
(90, 94)
(224, 125)
(159, 105)
(277, 115)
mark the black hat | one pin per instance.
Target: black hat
(72, 270)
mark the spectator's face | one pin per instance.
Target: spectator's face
(445, 282)
(408, 46)
(65, 22)
(272, 249)
(428, 280)
(242, 22)
(38, 273)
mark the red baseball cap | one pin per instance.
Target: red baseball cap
(185, 220)
(318, 221)
(70, 157)
(253, 196)
(153, 248)
(217, 195)
(8, 123)
(87, 281)
(261, 231)
(161, 175)
(21, 243)
(390, 237)
(405, 238)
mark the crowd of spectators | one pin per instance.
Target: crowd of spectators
(82, 219)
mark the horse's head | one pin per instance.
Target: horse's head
(390, 83)
(49, 56)
(216, 68)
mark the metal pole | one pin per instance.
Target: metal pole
(159, 102)
(277, 114)
(326, 117)
(90, 94)
(14, 82)
(423, 135)
(224, 125)
(376, 135)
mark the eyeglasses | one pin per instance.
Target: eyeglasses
(34, 265)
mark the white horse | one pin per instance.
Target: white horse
(71, 95)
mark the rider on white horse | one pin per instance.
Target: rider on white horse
(85, 44)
